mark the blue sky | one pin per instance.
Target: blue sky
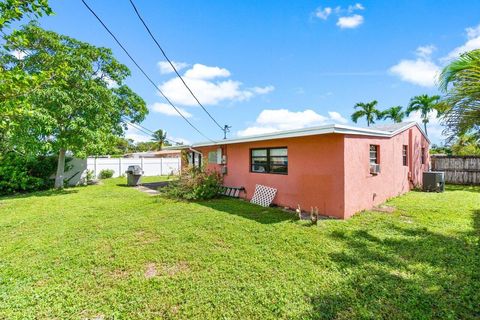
(270, 65)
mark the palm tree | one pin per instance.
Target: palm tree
(460, 81)
(160, 137)
(367, 110)
(394, 113)
(425, 104)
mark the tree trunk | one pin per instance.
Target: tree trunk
(60, 169)
(425, 126)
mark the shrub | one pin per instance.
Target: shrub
(106, 173)
(90, 176)
(194, 184)
(20, 173)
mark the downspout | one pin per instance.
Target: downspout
(410, 157)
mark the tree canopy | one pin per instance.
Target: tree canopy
(367, 110)
(425, 104)
(81, 108)
(460, 80)
(396, 114)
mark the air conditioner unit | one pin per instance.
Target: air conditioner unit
(434, 181)
(374, 168)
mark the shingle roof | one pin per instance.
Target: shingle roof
(391, 127)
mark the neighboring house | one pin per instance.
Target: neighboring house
(155, 154)
(339, 169)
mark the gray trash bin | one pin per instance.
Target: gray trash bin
(134, 173)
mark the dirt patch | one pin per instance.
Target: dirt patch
(166, 269)
(150, 271)
(173, 269)
(384, 209)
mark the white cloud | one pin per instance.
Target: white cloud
(200, 71)
(263, 90)
(420, 71)
(473, 42)
(166, 68)
(323, 13)
(208, 90)
(425, 51)
(282, 119)
(168, 110)
(136, 135)
(337, 117)
(356, 6)
(350, 22)
(346, 20)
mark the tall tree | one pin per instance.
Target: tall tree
(396, 114)
(425, 104)
(15, 82)
(78, 110)
(460, 81)
(367, 110)
(159, 137)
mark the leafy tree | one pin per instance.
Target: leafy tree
(367, 110)
(425, 104)
(460, 81)
(396, 114)
(159, 137)
(146, 146)
(78, 109)
(15, 82)
(439, 149)
(14, 10)
(466, 145)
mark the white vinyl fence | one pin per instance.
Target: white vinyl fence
(150, 167)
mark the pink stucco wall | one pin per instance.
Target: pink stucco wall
(363, 190)
(315, 171)
(331, 171)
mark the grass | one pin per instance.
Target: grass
(107, 251)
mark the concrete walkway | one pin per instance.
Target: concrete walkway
(152, 187)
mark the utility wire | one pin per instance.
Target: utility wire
(146, 130)
(142, 71)
(173, 66)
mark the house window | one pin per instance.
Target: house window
(195, 160)
(405, 155)
(374, 159)
(212, 157)
(423, 156)
(269, 160)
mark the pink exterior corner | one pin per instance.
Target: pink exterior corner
(330, 171)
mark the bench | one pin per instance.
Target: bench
(231, 191)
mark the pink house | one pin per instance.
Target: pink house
(339, 169)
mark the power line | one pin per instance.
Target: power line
(173, 66)
(225, 128)
(142, 71)
(147, 131)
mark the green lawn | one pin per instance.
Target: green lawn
(109, 251)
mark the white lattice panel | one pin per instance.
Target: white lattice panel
(263, 195)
